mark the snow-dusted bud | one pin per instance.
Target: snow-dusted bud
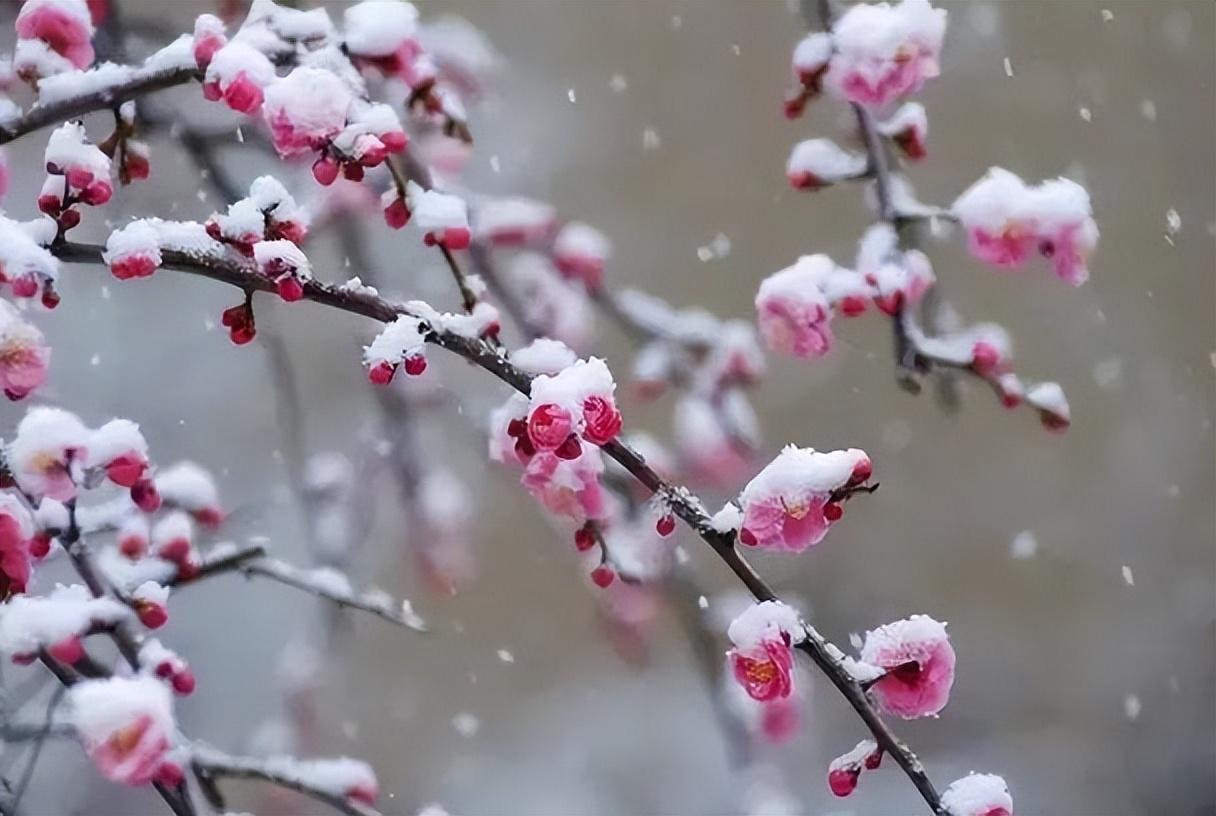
(63, 28)
(400, 343)
(47, 456)
(285, 264)
(577, 401)
(845, 770)
(151, 601)
(816, 163)
(1049, 399)
(173, 537)
(788, 505)
(238, 74)
(24, 354)
(442, 218)
(120, 450)
(580, 252)
(908, 128)
(919, 663)
(809, 64)
(133, 251)
(762, 660)
(1006, 221)
(306, 109)
(978, 794)
(16, 530)
(209, 37)
(514, 222)
(382, 34)
(133, 536)
(191, 488)
(885, 52)
(125, 724)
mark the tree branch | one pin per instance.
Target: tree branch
(210, 766)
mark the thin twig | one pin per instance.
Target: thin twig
(39, 742)
(210, 766)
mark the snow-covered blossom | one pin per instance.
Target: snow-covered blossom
(510, 222)
(885, 52)
(268, 213)
(569, 488)
(190, 487)
(908, 127)
(788, 505)
(762, 659)
(844, 770)
(400, 343)
(166, 664)
(816, 163)
(285, 264)
(238, 73)
(25, 263)
(173, 538)
(134, 536)
(209, 37)
(810, 59)
(133, 251)
(55, 621)
(978, 794)
(793, 310)
(576, 402)
(24, 354)
(119, 449)
(1052, 405)
(382, 34)
(62, 28)
(580, 252)
(125, 723)
(306, 109)
(16, 529)
(897, 278)
(442, 218)
(919, 660)
(77, 172)
(49, 452)
(1007, 220)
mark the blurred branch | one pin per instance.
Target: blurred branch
(210, 766)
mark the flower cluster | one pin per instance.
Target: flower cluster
(1007, 221)
(876, 54)
(401, 344)
(77, 173)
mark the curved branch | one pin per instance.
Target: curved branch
(210, 766)
(682, 502)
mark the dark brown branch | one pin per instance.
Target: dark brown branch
(682, 502)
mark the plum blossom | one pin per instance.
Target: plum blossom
(400, 343)
(16, 530)
(1007, 220)
(788, 506)
(885, 52)
(581, 252)
(173, 539)
(793, 309)
(285, 264)
(816, 163)
(151, 602)
(24, 354)
(569, 488)
(125, 724)
(897, 278)
(133, 251)
(268, 213)
(63, 28)
(49, 453)
(238, 74)
(382, 34)
(919, 660)
(164, 663)
(442, 218)
(77, 171)
(978, 794)
(188, 486)
(209, 37)
(576, 402)
(762, 660)
(306, 109)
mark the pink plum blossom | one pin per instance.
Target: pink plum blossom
(16, 529)
(762, 660)
(125, 725)
(568, 487)
(788, 505)
(64, 25)
(24, 354)
(885, 52)
(919, 660)
(306, 109)
(978, 795)
(793, 311)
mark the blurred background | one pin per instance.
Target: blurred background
(1077, 572)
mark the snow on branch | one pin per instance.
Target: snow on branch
(346, 785)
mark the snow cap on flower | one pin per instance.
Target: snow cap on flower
(543, 356)
(1052, 404)
(133, 251)
(125, 724)
(885, 52)
(84, 166)
(816, 163)
(793, 310)
(1007, 220)
(400, 342)
(765, 620)
(377, 28)
(580, 252)
(285, 264)
(443, 218)
(29, 623)
(513, 221)
(577, 400)
(909, 128)
(787, 506)
(24, 354)
(190, 487)
(810, 58)
(63, 27)
(209, 37)
(306, 109)
(844, 770)
(762, 661)
(238, 73)
(919, 660)
(119, 448)
(978, 794)
(48, 453)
